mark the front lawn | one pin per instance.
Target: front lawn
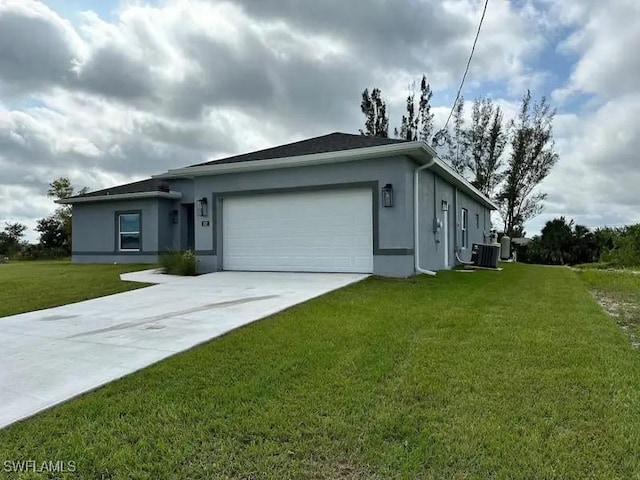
(27, 286)
(513, 374)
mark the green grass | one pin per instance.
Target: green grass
(608, 266)
(27, 286)
(619, 292)
(619, 282)
(513, 374)
(593, 266)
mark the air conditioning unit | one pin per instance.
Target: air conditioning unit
(485, 255)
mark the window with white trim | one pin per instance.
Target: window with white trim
(465, 228)
(129, 232)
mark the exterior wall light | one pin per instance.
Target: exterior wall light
(174, 216)
(387, 195)
(203, 209)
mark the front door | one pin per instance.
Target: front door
(187, 241)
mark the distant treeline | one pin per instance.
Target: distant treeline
(563, 243)
(54, 230)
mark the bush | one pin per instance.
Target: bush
(179, 263)
(625, 251)
(531, 252)
(38, 252)
(563, 243)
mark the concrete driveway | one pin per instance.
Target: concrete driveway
(52, 355)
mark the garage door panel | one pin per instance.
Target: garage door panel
(329, 231)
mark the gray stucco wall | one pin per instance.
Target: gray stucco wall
(95, 236)
(479, 226)
(433, 191)
(184, 186)
(394, 236)
(114, 258)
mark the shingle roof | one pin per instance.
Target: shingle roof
(149, 185)
(333, 142)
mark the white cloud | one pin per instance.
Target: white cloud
(605, 38)
(37, 47)
(596, 179)
(166, 85)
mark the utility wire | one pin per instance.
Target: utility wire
(466, 70)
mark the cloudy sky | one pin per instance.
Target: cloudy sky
(107, 92)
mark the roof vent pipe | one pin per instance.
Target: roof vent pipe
(416, 217)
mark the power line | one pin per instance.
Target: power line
(466, 70)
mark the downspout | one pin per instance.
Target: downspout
(456, 243)
(416, 217)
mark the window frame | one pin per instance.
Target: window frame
(464, 228)
(119, 231)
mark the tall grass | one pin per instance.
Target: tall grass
(179, 262)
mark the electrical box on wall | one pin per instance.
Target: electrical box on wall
(205, 223)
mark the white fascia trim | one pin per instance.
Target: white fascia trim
(465, 184)
(122, 196)
(417, 150)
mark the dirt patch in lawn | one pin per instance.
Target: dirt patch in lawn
(625, 313)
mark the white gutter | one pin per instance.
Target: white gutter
(120, 196)
(416, 217)
(465, 184)
(417, 150)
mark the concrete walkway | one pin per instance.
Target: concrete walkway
(49, 356)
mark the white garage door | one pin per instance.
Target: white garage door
(328, 231)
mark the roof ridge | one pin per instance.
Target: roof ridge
(330, 142)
